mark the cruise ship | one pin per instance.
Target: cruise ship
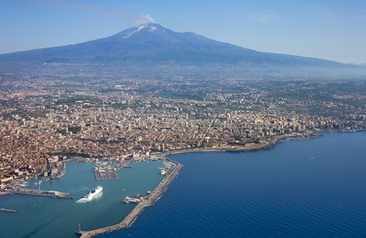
(94, 192)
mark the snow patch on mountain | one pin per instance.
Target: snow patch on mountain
(140, 28)
(152, 29)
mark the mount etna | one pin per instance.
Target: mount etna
(153, 45)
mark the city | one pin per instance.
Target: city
(182, 119)
(46, 122)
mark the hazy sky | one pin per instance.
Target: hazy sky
(328, 29)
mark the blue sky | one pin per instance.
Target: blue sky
(327, 29)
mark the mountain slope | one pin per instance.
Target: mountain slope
(156, 44)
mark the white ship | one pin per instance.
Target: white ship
(163, 172)
(94, 192)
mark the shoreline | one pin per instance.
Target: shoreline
(128, 220)
(241, 148)
(2, 193)
(164, 184)
(255, 147)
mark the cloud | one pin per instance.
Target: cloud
(149, 19)
(268, 16)
(122, 15)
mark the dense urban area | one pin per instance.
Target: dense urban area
(47, 119)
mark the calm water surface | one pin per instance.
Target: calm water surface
(45, 217)
(310, 188)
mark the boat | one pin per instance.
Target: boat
(94, 192)
(131, 200)
(163, 172)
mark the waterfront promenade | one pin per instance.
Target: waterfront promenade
(137, 210)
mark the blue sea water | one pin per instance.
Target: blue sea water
(40, 217)
(309, 188)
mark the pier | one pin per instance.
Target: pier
(108, 172)
(105, 175)
(39, 193)
(137, 210)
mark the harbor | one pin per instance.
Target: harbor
(154, 195)
(141, 177)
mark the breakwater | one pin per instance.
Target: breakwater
(137, 210)
(40, 193)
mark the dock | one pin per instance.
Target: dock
(132, 216)
(105, 175)
(39, 193)
(108, 172)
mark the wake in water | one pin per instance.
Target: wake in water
(85, 200)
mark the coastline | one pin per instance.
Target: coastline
(224, 148)
(241, 148)
(209, 180)
(4, 193)
(164, 184)
(128, 220)
(255, 147)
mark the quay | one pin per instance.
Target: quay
(137, 210)
(7, 210)
(39, 193)
(108, 172)
(105, 175)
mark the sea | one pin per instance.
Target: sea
(299, 188)
(41, 217)
(309, 188)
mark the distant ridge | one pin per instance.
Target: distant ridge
(153, 44)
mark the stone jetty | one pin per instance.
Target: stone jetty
(39, 193)
(132, 216)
